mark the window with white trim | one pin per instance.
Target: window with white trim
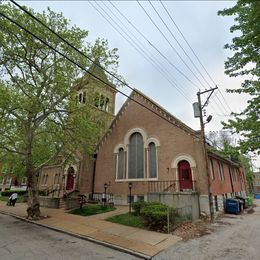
(101, 102)
(24, 181)
(152, 160)
(121, 164)
(136, 157)
(9, 181)
(46, 178)
(81, 98)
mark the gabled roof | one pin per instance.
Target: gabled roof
(154, 107)
(217, 156)
(95, 69)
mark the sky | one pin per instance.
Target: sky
(164, 72)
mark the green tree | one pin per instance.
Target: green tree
(245, 62)
(38, 119)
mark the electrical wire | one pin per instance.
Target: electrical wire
(142, 52)
(69, 43)
(187, 55)
(152, 45)
(176, 52)
(77, 49)
(167, 27)
(194, 53)
(99, 79)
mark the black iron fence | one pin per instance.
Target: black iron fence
(101, 197)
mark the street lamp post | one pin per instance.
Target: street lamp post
(105, 187)
(130, 186)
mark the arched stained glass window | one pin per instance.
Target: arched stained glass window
(120, 164)
(136, 157)
(152, 160)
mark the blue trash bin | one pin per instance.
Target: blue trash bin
(232, 206)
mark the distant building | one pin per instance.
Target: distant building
(10, 182)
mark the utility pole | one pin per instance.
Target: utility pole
(202, 126)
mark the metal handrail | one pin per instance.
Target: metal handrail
(168, 186)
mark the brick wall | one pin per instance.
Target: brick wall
(174, 142)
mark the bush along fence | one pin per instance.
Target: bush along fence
(8, 193)
(158, 216)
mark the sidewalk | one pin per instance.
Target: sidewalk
(135, 241)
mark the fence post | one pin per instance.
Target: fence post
(168, 220)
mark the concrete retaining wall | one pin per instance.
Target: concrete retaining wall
(187, 203)
(50, 202)
(71, 203)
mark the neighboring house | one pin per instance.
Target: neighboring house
(161, 156)
(10, 182)
(227, 179)
(256, 182)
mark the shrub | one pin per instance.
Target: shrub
(8, 193)
(155, 215)
(137, 206)
(42, 192)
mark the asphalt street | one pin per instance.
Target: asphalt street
(22, 240)
(233, 237)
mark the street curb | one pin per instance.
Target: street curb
(87, 238)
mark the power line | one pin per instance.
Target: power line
(93, 75)
(194, 53)
(176, 52)
(139, 32)
(111, 74)
(187, 55)
(97, 64)
(225, 101)
(152, 45)
(187, 42)
(144, 54)
(222, 107)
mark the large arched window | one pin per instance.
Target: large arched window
(152, 160)
(120, 164)
(136, 157)
(46, 179)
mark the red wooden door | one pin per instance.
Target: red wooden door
(70, 182)
(185, 177)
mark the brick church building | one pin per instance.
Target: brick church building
(161, 156)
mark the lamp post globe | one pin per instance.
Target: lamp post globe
(105, 197)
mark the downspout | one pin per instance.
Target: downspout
(231, 181)
(93, 175)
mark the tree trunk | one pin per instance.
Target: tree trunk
(33, 209)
